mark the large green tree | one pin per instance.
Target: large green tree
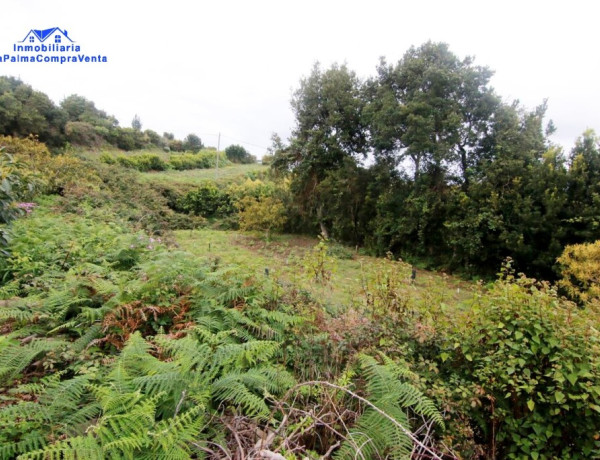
(193, 143)
(329, 131)
(238, 154)
(458, 178)
(584, 189)
(432, 108)
(24, 111)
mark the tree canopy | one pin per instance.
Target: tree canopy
(238, 154)
(457, 177)
(76, 120)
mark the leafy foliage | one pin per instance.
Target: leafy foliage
(535, 359)
(374, 436)
(265, 215)
(460, 180)
(192, 143)
(318, 263)
(580, 272)
(206, 200)
(238, 154)
(114, 391)
(152, 162)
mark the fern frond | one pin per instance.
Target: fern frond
(211, 334)
(127, 421)
(15, 358)
(19, 314)
(38, 387)
(173, 435)
(75, 423)
(59, 302)
(71, 449)
(24, 410)
(246, 354)
(210, 323)
(72, 324)
(232, 390)
(91, 315)
(32, 441)
(413, 398)
(166, 382)
(275, 380)
(62, 398)
(124, 445)
(92, 333)
(374, 436)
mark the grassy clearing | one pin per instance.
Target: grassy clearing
(283, 257)
(197, 176)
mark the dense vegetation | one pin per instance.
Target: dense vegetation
(124, 336)
(239, 154)
(76, 121)
(457, 178)
(180, 162)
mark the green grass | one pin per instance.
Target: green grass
(197, 176)
(283, 257)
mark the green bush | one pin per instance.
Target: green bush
(267, 159)
(144, 162)
(183, 161)
(536, 359)
(207, 200)
(340, 251)
(179, 161)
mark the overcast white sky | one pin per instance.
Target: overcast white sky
(231, 66)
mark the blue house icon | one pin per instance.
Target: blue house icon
(53, 35)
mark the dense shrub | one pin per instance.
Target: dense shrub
(121, 196)
(144, 162)
(203, 160)
(536, 362)
(152, 162)
(266, 159)
(15, 186)
(46, 172)
(580, 270)
(207, 200)
(254, 188)
(48, 243)
(83, 134)
(238, 154)
(265, 215)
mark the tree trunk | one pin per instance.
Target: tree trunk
(324, 231)
(464, 166)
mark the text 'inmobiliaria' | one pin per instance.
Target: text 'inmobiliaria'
(49, 46)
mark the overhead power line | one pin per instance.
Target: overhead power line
(234, 139)
(245, 142)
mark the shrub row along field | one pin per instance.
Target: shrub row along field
(123, 339)
(197, 177)
(180, 161)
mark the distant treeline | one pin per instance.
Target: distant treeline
(458, 178)
(76, 121)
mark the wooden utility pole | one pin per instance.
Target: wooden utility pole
(218, 147)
